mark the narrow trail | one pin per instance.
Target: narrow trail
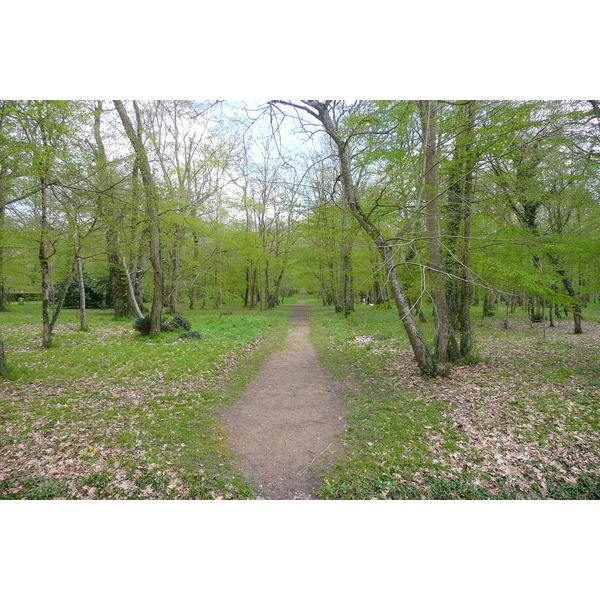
(283, 429)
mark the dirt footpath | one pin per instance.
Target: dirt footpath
(283, 429)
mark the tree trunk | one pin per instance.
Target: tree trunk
(132, 299)
(247, 289)
(2, 221)
(424, 359)
(488, 305)
(275, 299)
(152, 202)
(45, 271)
(3, 368)
(138, 280)
(445, 343)
(253, 288)
(115, 276)
(82, 315)
(59, 302)
(464, 320)
(174, 293)
(347, 291)
(576, 306)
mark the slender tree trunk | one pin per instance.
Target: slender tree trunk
(151, 212)
(174, 293)
(347, 291)
(3, 368)
(59, 302)
(424, 359)
(45, 271)
(2, 283)
(138, 280)
(544, 317)
(466, 289)
(247, 288)
(275, 295)
(132, 299)
(253, 298)
(82, 314)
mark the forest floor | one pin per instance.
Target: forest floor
(248, 411)
(284, 427)
(519, 421)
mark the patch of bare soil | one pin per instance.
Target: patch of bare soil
(283, 429)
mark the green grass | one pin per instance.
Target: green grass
(108, 413)
(493, 429)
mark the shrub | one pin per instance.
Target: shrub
(191, 335)
(179, 322)
(142, 324)
(93, 292)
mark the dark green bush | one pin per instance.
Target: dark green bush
(179, 322)
(142, 324)
(93, 292)
(191, 335)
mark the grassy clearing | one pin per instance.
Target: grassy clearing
(108, 413)
(520, 423)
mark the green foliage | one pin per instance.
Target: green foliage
(142, 324)
(94, 289)
(37, 487)
(191, 335)
(587, 487)
(179, 322)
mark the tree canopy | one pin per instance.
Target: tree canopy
(423, 204)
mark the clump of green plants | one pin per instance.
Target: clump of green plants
(179, 322)
(196, 335)
(142, 324)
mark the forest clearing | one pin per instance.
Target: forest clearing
(385, 299)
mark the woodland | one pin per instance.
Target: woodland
(459, 237)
